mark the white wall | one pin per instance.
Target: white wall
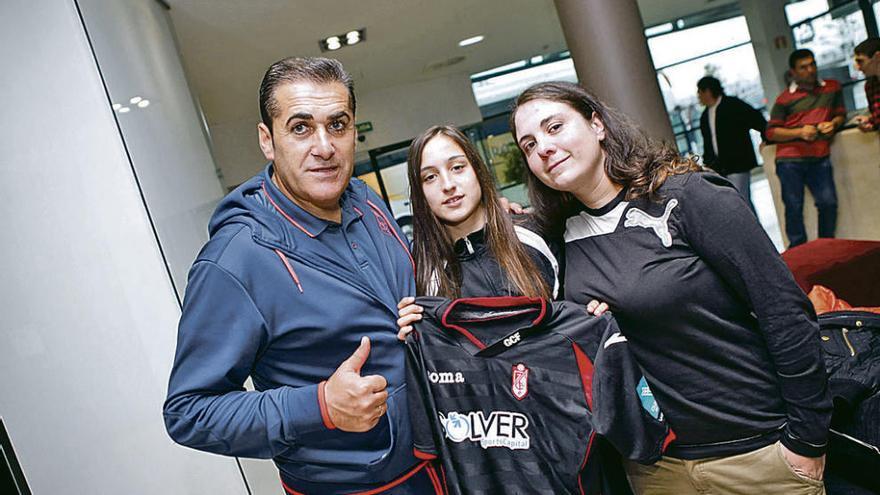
(398, 113)
(137, 56)
(87, 310)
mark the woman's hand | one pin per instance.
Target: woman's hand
(409, 312)
(595, 308)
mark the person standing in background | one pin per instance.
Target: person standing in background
(867, 60)
(727, 144)
(803, 121)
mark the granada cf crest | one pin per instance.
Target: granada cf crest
(520, 382)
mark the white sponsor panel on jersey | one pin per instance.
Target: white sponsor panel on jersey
(495, 429)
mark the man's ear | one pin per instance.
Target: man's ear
(266, 144)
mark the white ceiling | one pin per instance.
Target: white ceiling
(227, 44)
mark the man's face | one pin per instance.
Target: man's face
(870, 66)
(706, 97)
(804, 71)
(312, 144)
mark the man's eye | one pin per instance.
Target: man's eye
(337, 126)
(299, 129)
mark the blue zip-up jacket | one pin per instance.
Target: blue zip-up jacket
(284, 297)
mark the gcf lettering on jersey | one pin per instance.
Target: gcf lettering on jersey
(498, 429)
(520, 381)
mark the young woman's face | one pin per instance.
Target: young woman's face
(562, 148)
(451, 188)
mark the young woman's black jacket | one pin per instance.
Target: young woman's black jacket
(481, 275)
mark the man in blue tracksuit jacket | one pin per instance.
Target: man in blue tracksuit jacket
(298, 289)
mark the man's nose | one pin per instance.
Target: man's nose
(323, 146)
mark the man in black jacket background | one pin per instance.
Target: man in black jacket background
(727, 145)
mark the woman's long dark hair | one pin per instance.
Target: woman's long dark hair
(437, 269)
(632, 159)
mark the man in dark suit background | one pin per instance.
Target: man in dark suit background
(725, 124)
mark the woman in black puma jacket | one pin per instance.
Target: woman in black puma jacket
(727, 340)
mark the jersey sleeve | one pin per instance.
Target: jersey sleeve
(625, 411)
(220, 334)
(421, 411)
(724, 232)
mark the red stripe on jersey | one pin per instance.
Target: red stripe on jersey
(435, 480)
(584, 463)
(669, 439)
(585, 366)
(423, 455)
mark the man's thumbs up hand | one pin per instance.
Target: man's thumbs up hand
(355, 403)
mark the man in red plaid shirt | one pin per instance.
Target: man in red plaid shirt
(803, 121)
(867, 58)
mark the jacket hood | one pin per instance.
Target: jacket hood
(247, 205)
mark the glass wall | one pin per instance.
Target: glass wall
(831, 32)
(721, 48)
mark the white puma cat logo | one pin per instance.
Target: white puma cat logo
(660, 225)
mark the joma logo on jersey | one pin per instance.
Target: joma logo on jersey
(446, 377)
(498, 429)
(513, 339)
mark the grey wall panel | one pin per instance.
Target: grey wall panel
(134, 46)
(87, 310)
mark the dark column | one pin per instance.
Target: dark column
(607, 42)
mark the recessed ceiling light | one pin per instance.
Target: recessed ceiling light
(471, 41)
(117, 106)
(537, 59)
(135, 99)
(143, 103)
(124, 110)
(337, 41)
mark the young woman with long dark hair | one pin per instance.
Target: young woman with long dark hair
(727, 340)
(464, 242)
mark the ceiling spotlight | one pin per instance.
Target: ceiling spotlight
(124, 109)
(471, 41)
(337, 41)
(117, 106)
(333, 43)
(143, 103)
(537, 59)
(135, 99)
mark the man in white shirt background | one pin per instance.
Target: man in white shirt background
(725, 125)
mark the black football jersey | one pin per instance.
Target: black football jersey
(508, 393)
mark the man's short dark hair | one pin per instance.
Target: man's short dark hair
(712, 84)
(799, 55)
(292, 69)
(868, 47)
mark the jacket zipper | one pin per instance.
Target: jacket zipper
(470, 248)
(852, 351)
